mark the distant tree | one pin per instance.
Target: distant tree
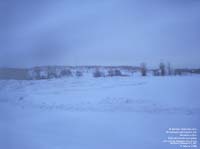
(169, 69)
(111, 73)
(79, 73)
(162, 69)
(43, 74)
(143, 69)
(66, 72)
(37, 73)
(51, 72)
(98, 73)
(178, 72)
(51, 75)
(118, 73)
(156, 72)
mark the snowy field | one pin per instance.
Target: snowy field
(96, 113)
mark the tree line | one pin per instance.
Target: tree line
(162, 70)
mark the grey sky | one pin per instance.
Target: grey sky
(101, 32)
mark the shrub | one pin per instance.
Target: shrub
(143, 69)
(98, 73)
(112, 73)
(178, 72)
(162, 69)
(51, 75)
(118, 73)
(66, 72)
(79, 73)
(156, 72)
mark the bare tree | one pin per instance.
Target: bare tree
(37, 73)
(112, 73)
(156, 72)
(66, 72)
(118, 73)
(169, 69)
(162, 69)
(79, 73)
(178, 72)
(143, 69)
(98, 73)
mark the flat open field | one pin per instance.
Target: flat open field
(96, 113)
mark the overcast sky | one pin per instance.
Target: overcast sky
(99, 32)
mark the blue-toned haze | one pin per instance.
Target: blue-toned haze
(99, 32)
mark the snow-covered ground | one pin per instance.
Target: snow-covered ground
(96, 113)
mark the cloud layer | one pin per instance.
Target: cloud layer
(106, 32)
